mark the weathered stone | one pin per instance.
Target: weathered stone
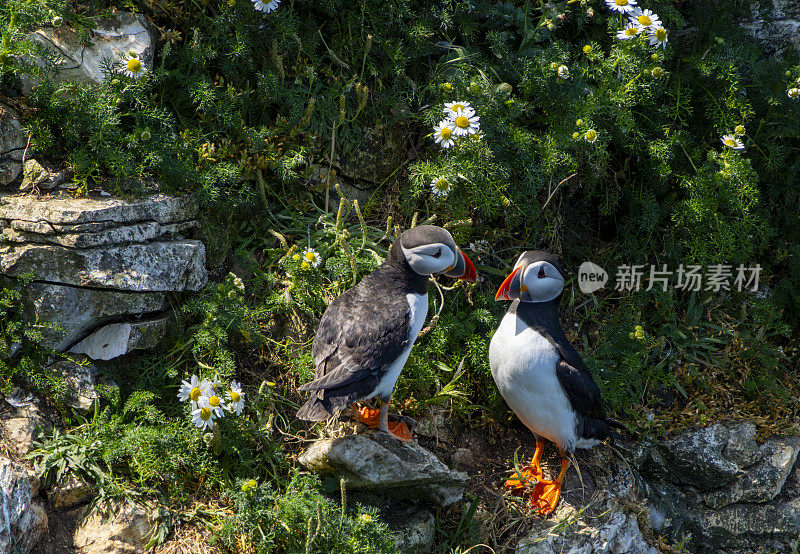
(81, 379)
(24, 520)
(157, 266)
(71, 492)
(72, 211)
(381, 463)
(695, 458)
(35, 175)
(12, 145)
(614, 531)
(78, 310)
(436, 423)
(765, 480)
(112, 39)
(742, 449)
(743, 525)
(118, 339)
(17, 434)
(138, 232)
(122, 529)
(774, 23)
(417, 531)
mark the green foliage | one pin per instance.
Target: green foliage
(301, 520)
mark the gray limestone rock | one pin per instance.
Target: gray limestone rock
(81, 380)
(137, 232)
(775, 23)
(13, 141)
(73, 211)
(79, 310)
(763, 481)
(24, 518)
(696, 458)
(417, 531)
(121, 529)
(175, 265)
(380, 463)
(35, 175)
(83, 62)
(69, 493)
(118, 339)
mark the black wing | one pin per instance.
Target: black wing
(577, 382)
(361, 333)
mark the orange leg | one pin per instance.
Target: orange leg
(546, 493)
(532, 472)
(373, 417)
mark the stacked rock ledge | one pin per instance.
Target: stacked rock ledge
(102, 266)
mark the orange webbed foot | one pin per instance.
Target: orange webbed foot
(371, 417)
(545, 496)
(400, 430)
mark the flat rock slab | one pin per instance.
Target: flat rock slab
(382, 464)
(111, 39)
(73, 211)
(124, 528)
(77, 310)
(696, 458)
(118, 339)
(175, 265)
(12, 145)
(24, 518)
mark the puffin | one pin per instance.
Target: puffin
(542, 377)
(365, 335)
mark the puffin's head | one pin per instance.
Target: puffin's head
(429, 249)
(537, 277)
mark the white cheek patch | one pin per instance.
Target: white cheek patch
(424, 263)
(541, 289)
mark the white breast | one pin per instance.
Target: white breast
(418, 311)
(523, 364)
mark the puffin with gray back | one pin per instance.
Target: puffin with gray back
(541, 376)
(365, 336)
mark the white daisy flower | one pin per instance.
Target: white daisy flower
(443, 133)
(193, 389)
(621, 6)
(466, 124)
(590, 136)
(236, 398)
(629, 32)
(203, 418)
(563, 71)
(312, 257)
(732, 142)
(213, 384)
(453, 109)
(266, 7)
(213, 403)
(793, 93)
(440, 186)
(645, 18)
(134, 68)
(658, 36)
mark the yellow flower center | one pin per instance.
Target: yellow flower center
(591, 135)
(794, 93)
(235, 396)
(195, 393)
(305, 265)
(621, 2)
(462, 122)
(213, 401)
(442, 184)
(296, 257)
(457, 107)
(310, 256)
(645, 20)
(445, 133)
(661, 34)
(134, 65)
(205, 414)
(730, 142)
(630, 31)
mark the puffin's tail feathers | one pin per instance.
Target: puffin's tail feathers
(314, 410)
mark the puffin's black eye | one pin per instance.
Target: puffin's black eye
(541, 274)
(438, 254)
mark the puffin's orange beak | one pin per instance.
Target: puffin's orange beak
(502, 292)
(470, 274)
